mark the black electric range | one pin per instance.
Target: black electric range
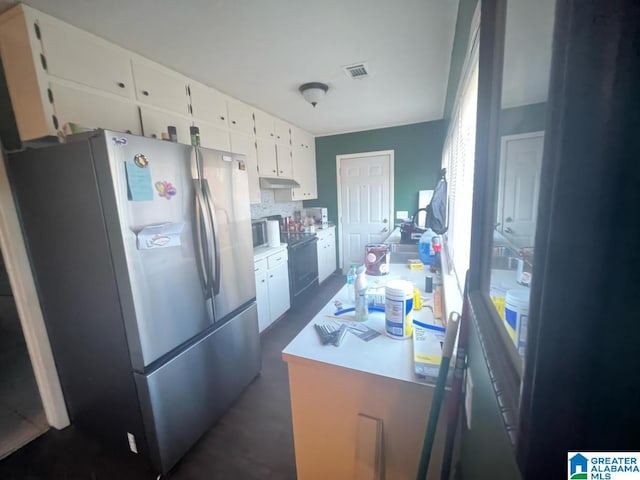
(292, 239)
(303, 261)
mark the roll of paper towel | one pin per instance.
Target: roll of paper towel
(273, 233)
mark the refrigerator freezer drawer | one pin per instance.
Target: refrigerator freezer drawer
(182, 399)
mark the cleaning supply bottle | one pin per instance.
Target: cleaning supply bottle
(351, 280)
(425, 248)
(361, 308)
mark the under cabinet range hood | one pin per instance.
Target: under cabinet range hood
(277, 182)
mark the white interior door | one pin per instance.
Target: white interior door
(365, 202)
(520, 159)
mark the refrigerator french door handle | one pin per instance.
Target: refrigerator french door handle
(204, 262)
(216, 241)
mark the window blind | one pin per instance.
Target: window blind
(458, 158)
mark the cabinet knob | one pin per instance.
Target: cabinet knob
(271, 134)
(273, 171)
(270, 276)
(262, 280)
(233, 121)
(145, 93)
(121, 85)
(153, 135)
(222, 118)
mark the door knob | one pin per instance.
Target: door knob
(384, 221)
(508, 230)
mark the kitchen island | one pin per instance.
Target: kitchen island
(358, 410)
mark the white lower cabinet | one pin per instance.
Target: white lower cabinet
(272, 287)
(326, 252)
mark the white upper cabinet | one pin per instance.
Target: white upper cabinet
(240, 117)
(156, 122)
(90, 110)
(213, 137)
(303, 162)
(209, 105)
(160, 87)
(265, 125)
(58, 74)
(272, 128)
(283, 156)
(267, 160)
(82, 58)
(283, 135)
(301, 139)
(246, 145)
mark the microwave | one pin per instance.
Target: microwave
(259, 232)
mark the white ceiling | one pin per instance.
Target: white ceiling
(261, 51)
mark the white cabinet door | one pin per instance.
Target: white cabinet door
(156, 122)
(311, 180)
(283, 135)
(209, 105)
(262, 300)
(80, 57)
(301, 139)
(330, 253)
(240, 117)
(93, 110)
(322, 263)
(304, 172)
(283, 156)
(265, 125)
(279, 301)
(213, 137)
(247, 146)
(267, 162)
(326, 253)
(160, 87)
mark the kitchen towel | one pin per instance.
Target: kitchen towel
(273, 233)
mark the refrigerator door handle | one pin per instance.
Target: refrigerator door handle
(216, 241)
(204, 262)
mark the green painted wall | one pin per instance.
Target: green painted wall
(417, 159)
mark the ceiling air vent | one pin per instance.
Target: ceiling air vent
(358, 70)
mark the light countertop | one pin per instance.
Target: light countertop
(263, 252)
(383, 355)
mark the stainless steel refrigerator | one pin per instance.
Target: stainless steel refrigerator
(142, 255)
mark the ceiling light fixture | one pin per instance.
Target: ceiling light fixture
(313, 92)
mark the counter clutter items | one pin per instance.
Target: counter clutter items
(337, 394)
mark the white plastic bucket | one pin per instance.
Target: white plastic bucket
(516, 316)
(398, 309)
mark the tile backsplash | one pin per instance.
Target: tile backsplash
(269, 206)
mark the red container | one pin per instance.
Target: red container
(376, 258)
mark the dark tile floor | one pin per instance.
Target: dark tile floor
(21, 414)
(254, 440)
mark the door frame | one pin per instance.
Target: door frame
(339, 159)
(502, 167)
(27, 302)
